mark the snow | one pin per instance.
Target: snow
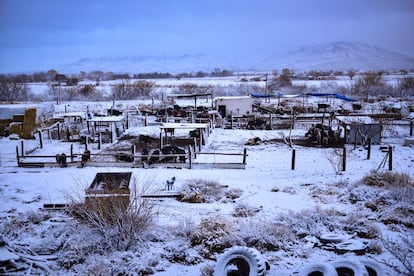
(268, 184)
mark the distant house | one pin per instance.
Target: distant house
(234, 106)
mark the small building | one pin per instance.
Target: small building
(109, 127)
(234, 106)
(360, 128)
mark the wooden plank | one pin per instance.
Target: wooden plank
(173, 195)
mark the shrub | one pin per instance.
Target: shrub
(244, 210)
(201, 191)
(401, 248)
(266, 235)
(120, 225)
(214, 234)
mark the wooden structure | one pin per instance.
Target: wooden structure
(110, 127)
(166, 128)
(109, 188)
(360, 129)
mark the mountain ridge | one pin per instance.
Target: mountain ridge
(335, 56)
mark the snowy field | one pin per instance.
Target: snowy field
(291, 209)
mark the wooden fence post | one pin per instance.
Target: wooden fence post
(17, 156)
(190, 157)
(411, 128)
(22, 146)
(40, 139)
(71, 152)
(244, 155)
(293, 159)
(58, 127)
(344, 159)
(390, 158)
(369, 149)
(145, 120)
(86, 142)
(99, 140)
(161, 144)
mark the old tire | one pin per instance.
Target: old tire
(318, 269)
(350, 267)
(373, 268)
(331, 238)
(244, 260)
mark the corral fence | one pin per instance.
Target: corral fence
(131, 159)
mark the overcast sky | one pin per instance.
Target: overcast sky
(42, 34)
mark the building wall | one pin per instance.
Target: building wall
(235, 106)
(363, 131)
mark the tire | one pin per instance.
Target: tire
(373, 268)
(248, 262)
(350, 267)
(331, 238)
(318, 269)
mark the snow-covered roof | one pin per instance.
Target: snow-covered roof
(72, 114)
(232, 98)
(183, 126)
(107, 119)
(355, 119)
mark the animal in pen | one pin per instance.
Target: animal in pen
(124, 157)
(86, 156)
(168, 154)
(171, 150)
(322, 135)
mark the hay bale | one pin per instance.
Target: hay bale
(29, 123)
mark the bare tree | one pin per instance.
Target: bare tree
(12, 89)
(192, 88)
(371, 83)
(405, 86)
(143, 88)
(351, 73)
(122, 90)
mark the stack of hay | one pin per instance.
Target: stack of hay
(29, 123)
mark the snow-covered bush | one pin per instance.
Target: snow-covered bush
(311, 221)
(213, 235)
(120, 224)
(265, 235)
(181, 252)
(401, 248)
(335, 158)
(233, 194)
(244, 210)
(396, 204)
(201, 191)
(358, 223)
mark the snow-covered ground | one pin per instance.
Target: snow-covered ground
(311, 199)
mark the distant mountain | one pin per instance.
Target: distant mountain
(140, 64)
(340, 56)
(332, 56)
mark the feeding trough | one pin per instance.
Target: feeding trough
(109, 189)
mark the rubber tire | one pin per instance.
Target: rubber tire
(373, 268)
(357, 268)
(250, 256)
(324, 269)
(331, 238)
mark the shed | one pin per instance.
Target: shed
(109, 189)
(234, 106)
(112, 126)
(360, 128)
